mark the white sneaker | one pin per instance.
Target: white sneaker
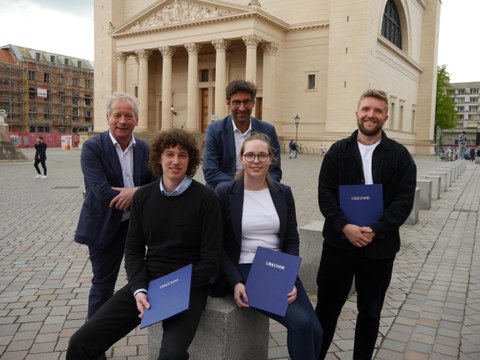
(43, 176)
(38, 176)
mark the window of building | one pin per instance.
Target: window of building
(88, 100)
(66, 62)
(61, 79)
(75, 81)
(474, 99)
(46, 77)
(460, 108)
(391, 27)
(32, 93)
(79, 64)
(37, 56)
(75, 114)
(74, 100)
(52, 58)
(460, 91)
(87, 83)
(31, 74)
(88, 115)
(311, 81)
(204, 75)
(61, 97)
(474, 91)
(473, 108)
(46, 113)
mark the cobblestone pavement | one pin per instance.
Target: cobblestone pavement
(432, 309)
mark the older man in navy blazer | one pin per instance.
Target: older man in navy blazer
(114, 165)
(224, 138)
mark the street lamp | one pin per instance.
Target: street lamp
(297, 121)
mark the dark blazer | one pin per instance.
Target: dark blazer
(41, 151)
(219, 154)
(231, 196)
(393, 167)
(101, 169)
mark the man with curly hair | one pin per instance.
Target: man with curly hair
(173, 223)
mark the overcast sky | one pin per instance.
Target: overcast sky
(66, 27)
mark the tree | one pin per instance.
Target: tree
(445, 113)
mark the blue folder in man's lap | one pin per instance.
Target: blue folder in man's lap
(168, 295)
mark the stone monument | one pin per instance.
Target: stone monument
(8, 150)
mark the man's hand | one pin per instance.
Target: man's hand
(240, 295)
(358, 236)
(142, 303)
(123, 200)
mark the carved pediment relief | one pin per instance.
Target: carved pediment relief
(178, 12)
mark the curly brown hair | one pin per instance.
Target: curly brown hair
(171, 138)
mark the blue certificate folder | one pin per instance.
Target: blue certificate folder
(168, 296)
(362, 204)
(272, 276)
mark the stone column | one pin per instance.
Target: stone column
(221, 46)
(143, 56)
(192, 86)
(268, 105)
(251, 42)
(167, 116)
(121, 71)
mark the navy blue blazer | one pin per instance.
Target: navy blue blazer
(219, 154)
(231, 196)
(98, 223)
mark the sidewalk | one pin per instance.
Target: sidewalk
(432, 309)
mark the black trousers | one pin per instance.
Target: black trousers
(40, 161)
(119, 315)
(105, 268)
(338, 268)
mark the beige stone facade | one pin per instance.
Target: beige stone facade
(311, 58)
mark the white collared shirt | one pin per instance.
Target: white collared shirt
(125, 157)
(239, 139)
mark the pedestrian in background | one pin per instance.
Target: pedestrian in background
(40, 157)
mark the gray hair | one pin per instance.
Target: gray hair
(121, 96)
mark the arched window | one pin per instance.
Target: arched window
(391, 24)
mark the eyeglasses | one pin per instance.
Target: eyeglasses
(250, 157)
(246, 103)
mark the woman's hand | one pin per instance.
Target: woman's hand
(292, 296)
(240, 295)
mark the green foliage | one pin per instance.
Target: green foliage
(445, 113)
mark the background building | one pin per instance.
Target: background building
(45, 92)
(311, 58)
(466, 98)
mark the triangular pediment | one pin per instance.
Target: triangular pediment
(167, 13)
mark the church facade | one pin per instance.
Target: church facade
(310, 60)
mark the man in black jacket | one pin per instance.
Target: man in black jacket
(40, 157)
(365, 253)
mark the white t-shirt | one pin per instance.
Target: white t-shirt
(260, 224)
(367, 154)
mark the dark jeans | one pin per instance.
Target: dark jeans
(105, 268)
(338, 268)
(119, 315)
(304, 333)
(44, 167)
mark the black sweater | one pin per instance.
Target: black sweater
(169, 232)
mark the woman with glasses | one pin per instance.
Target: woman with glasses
(261, 212)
